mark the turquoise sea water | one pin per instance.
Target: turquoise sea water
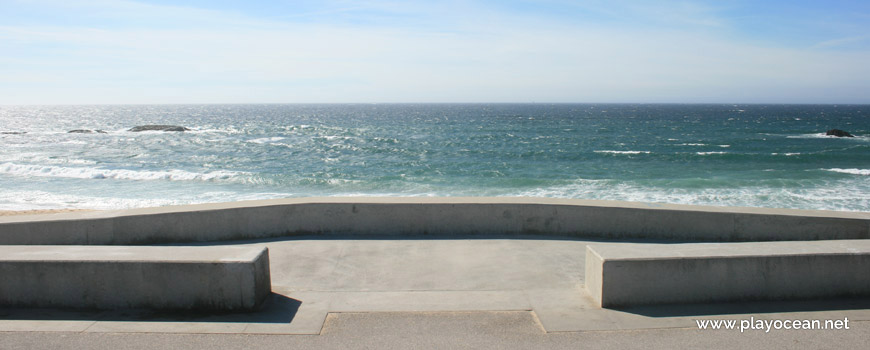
(736, 155)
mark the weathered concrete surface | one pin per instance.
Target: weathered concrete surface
(101, 277)
(315, 276)
(638, 274)
(449, 330)
(432, 216)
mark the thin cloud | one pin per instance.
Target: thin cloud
(842, 42)
(473, 56)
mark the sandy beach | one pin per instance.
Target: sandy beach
(38, 211)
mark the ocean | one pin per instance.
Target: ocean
(773, 156)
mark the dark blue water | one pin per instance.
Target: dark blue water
(743, 155)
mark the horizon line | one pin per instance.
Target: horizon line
(437, 103)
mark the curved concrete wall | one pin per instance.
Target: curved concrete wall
(422, 216)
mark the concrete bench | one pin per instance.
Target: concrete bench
(636, 274)
(119, 277)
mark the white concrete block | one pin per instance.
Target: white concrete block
(113, 277)
(637, 274)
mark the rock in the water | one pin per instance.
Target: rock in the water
(839, 133)
(86, 131)
(13, 132)
(159, 128)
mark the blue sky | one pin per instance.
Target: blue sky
(197, 51)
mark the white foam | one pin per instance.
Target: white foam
(709, 153)
(810, 136)
(36, 200)
(74, 142)
(843, 195)
(825, 136)
(118, 174)
(230, 130)
(853, 171)
(267, 140)
(693, 144)
(334, 137)
(786, 154)
(624, 152)
(38, 158)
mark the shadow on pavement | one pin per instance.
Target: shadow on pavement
(277, 309)
(754, 307)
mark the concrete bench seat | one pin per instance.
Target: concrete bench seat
(119, 277)
(620, 275)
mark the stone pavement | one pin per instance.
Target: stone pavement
(448, 330)
(433, 292)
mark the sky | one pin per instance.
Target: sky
(331, 51)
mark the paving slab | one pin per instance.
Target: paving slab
(449, 330)
(429, 301)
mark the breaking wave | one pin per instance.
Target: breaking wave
(865, 172)
(849, 195)
(117, 174)
(624, 152)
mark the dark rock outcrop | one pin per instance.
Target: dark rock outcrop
(839, 133)
(159, 128)
(86, 131)
(13, 133)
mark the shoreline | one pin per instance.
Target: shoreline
(40, 211)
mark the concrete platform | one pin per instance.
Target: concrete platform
(315, 279)
(621, 275)
(107, 277)
(441, 272)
